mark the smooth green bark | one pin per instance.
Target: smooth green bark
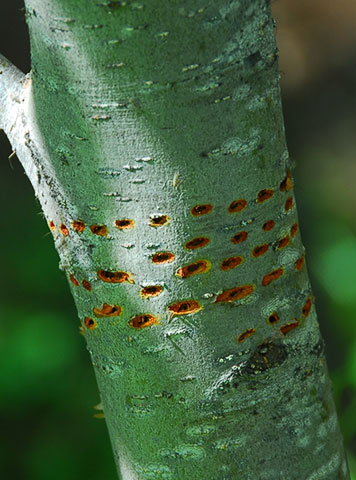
(168, 114)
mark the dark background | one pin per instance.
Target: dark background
(47, 385)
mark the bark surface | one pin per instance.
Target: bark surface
(153, 135)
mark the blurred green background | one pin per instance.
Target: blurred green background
(47, 385)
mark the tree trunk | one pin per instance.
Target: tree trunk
(152, 133)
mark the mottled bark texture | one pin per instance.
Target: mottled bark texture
(152, 132)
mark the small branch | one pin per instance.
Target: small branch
(17, 119)
(11, 84)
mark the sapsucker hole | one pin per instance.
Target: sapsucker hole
(288, 327)
(198, 242)
(143, 321)
(151, 291)
(273, 318)
(159, 220)
(289, 204)
(78, 226)
(237, 205)
(125, 224)
(239, 237)
(199, 210)
(90, 323)
(268, 225)
(307, 307)
(264, 195)
(260, 250)
(299, 264)
(231, 262)
(163, 257)
(100, 230)
(236, 293)
(64, 230)
(272, 276)
(114, 277)
(73, 280)
(200, 266)
(86, 285)
(185, 307)
(283, 242)
(246, 334)
(107, 311)
(294, 229)
(286, 184)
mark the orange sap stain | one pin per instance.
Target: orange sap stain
(236, 293)
(198, 242)
(231, 262)
(246, 334)
(289, 204)
(264, 195)
(260, 250)
(287, 183)
(163, 257)
(125, 224)
(288, 327)
(294, 229)
(186, 307)
(239, 237)
(307, 307)
(159, 220)
(64, 230)
(151, 291)
(199, 210)
(107, 311)
(78, 226)
(73, 280)
(200, 266)
(86, 285)
(299, 264)
(268, 225)
(143, 321)
(237, 205)
(272, 276)
(115, 277)
(283, 242)
(100, 230)
(90, 323)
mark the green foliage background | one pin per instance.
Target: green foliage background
(47, 385)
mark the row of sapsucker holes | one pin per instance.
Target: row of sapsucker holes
(197, 211)
(198, 242)
(189, 307)
(200, 266)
